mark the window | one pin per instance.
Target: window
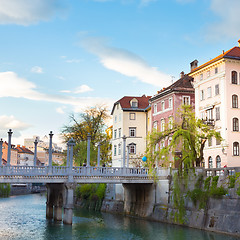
(208, 73)
(218, 142)
(132, 132)
(202, 95)
(132, 148)
(209, 114)
(155, 125)
(235, 125)
(201, 76)
(210, 142)
(234, 101)
(218, 161)
(162, 125)
(170, 123)
(210, 162)
(217, 89)
(115, 133)
(119, 132)
(186, 100)
(115, 118)
(119, 149)
(216, 70)
(132, 116)
(217, 113)
(235, 149)
(134, 104)
(163, 105)
(155, 108)
(209, 92)
(170, 103)
(234, 77)
(115, 150)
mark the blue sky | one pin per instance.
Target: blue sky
(57, 57)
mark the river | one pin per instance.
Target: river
(23, 218)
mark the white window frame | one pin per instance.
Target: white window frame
(132, 131)
(115, 133)
(115, 150)
(188, 100)
(119, 149)
(162, 125)
(209, 92)
(217, 90)
(132, 148)
(170, 103)
(163, 105)
(201, 95)
(132, 116)
(119, 132)
(155, 108)
(155, 125)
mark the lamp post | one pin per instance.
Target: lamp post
(35, 152)
(9, 147)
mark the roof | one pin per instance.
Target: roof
(143, 103)
(23, 149)
(233, 53)
(183, 84)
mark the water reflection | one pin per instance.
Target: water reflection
(23, 217)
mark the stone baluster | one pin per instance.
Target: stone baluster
(88, 149)
(1, 144)
(35, 152)
(98, 156)
(9, 147)
(50, 149)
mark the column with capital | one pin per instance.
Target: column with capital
(71, 144)
(9, 147)
(127, 156)
(35, 152)
(124, 151)
(1, 144)
(50, 152)
(88, 149)
(98, 156)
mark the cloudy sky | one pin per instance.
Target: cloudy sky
(59, 56)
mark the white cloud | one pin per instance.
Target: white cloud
(26, 12)
(36, 69)
(28, 90)
(126, 63)
(72, 60)
(65, 91)
(228, 24)
(60, 110)
(83, 88)
(10, 122)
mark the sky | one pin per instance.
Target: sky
(58, 57)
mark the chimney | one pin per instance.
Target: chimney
(239, 43)
(182, 74)
(194, 64)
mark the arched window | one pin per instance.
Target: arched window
(234, 101)
(235, 149)
(132, 148)
(218, 161)
(210, 162)
(234, 77)
(235, 125)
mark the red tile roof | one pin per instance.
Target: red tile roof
(233, 53)
(143, 103)
(23, 149)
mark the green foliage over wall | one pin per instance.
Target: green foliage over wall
(5, 189)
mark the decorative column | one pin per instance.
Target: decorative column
(71, 144)
(98, 156)
(68, 208)
(35, 152)
(127, 156)
(9, 147)
(88, 149)
(124, 150)
(67, 164)
(1, 143)
(50, 149)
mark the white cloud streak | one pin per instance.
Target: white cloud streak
(28, 90)
(26, 12)
(37, 69)
(125, 62)
(83, 88)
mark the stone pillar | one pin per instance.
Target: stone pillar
(68, 208)
(67, 164)
(88, 149)
(57, 213)
(127, 156)
(50, 149)
(124, 151)
(71, 144)
(35, 152)
(98, 156)
(9, 147)
(1, 143)
(49, 203)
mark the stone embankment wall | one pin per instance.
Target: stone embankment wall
(156, 202)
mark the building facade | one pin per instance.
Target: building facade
(165, 105)
(217, 92)
(131, 116)
(25, 156)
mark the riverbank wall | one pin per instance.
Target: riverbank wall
(159, 202)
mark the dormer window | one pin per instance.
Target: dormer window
(134, 103)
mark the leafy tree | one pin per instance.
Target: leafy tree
(187, 137)
(91, 121)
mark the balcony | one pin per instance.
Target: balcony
(209, 122)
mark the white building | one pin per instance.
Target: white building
(217, 90)
(131, 117)
(25, 156)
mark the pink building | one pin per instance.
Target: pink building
(165, 104)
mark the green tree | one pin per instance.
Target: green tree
(188, 136)
(91, 121)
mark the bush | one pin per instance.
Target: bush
(5, 189)
(217, 192)
(207, 183)
(232, 180)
